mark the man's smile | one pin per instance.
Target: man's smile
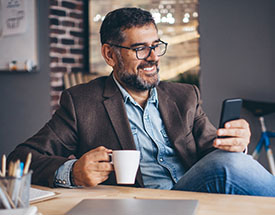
(149, 68)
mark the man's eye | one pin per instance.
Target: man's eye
(157, 45)
(141, 48)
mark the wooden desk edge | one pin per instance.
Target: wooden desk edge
(214, 204)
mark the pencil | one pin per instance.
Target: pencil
(4, 165)
(4, 200)
(15, 183)
(7, 196)
(27, 164)
(10, 171)
(16, 169)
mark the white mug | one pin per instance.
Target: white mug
(126, 164)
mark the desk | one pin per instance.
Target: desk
(209, 204)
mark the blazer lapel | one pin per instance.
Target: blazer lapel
(175, 125)
(116, 110)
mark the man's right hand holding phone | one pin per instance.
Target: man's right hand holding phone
(237, 134)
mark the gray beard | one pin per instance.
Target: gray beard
(134, 81)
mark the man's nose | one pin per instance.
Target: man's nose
(153, 56)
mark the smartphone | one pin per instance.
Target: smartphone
(231, 110)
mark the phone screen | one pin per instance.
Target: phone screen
(231, 110)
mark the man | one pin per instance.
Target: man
(132, 109)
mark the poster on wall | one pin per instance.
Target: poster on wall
(13, 17)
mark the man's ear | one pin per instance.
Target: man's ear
(108, 54)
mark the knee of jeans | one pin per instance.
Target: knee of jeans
(228, 161)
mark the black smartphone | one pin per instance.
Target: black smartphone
(231, 110)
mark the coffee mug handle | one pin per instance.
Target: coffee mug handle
(111, 158)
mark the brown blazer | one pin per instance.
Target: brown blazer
(93, 114)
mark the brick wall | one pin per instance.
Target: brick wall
(66, 43)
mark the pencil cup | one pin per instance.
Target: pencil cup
(14, 191)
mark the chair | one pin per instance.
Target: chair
(72, 79)
(259, 109)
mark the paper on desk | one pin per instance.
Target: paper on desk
(37, 195)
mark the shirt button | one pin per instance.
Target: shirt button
(64, 182)
(59, 181)
(160, 159)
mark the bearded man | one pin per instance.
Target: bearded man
(132, 109)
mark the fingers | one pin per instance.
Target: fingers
(232, 132)
(93, 167)
(91, 174)
(102, 167)
(98, 154)
(232, 148)
(97, 178)
(237, 135)
(235, 128)
(239, 123)
(102, 148)
(229, 141)
(234, 144)
(231, 144)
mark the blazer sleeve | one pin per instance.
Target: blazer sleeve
(52, 145)
(203, 130)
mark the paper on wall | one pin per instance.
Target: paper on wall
(13, 17)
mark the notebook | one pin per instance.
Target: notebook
(37, 195)
(134, 207)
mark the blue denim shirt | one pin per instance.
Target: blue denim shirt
(160, 166)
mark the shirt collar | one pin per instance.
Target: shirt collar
(153, 98)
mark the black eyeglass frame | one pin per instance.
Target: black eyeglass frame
(139, 48)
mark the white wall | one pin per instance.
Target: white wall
(237, 56)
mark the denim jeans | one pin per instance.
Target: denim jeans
(228, 173)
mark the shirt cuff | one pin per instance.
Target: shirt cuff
(62, 175)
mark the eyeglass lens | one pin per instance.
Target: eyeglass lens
(159, 49)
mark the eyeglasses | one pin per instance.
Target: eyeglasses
(144, 52)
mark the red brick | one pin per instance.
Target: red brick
(58, 69)
(68, 60)
(54, 59)
(57, 31)
(57, 12)
(76, 15)
(68, 23)
(67, 41)
(68, 4)
(58, 50)
(53, 2)
(64, 15)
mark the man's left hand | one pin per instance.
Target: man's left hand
(237, 134)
